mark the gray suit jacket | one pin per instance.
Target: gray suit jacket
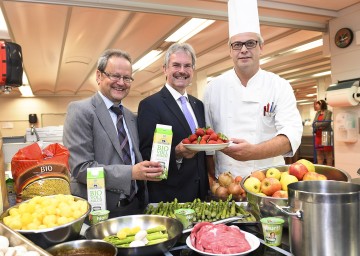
(91, 138)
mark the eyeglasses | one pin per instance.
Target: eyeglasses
(249, 44)
(117, 78)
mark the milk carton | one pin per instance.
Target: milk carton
(96, 188)
(161, 148)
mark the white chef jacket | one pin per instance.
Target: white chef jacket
(258, 112)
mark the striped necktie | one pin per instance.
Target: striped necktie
(123, 139)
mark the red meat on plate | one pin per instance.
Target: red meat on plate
(218, 238)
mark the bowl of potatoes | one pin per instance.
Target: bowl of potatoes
(48, 220)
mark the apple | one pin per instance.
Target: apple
(258, 174)
(298, 170)
(283, 174)
(270, 185)
(309, 165)
(322, 177)
(261, 194)
(311, 176)
(274, 173)
(287, 179)
(252, 185)
(280, 194)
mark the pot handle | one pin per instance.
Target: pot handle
(285, 209)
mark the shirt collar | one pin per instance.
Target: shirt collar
(175, 93)
(107, 102)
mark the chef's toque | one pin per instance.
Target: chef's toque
(243, 17)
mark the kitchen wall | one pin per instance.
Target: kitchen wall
(14, 114)
(345, 65)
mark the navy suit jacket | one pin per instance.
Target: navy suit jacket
(191, 180)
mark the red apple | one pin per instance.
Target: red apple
(270, 185)
(258, 174)
(311, 176)
(298, 170)
(280, 194)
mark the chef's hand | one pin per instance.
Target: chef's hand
(182, 152)
(240, 150)
(147, 170)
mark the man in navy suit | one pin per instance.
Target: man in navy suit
(187, 174)
(92, 137)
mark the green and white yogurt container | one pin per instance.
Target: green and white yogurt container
(272, 229)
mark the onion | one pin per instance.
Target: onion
(235, 189)
(225, 179)
(214, 186)
(238, 179)
(222, 192)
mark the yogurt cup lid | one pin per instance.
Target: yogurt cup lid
(272, 220)
(100, 212)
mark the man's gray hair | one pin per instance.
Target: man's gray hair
(176, 47)
(107, 54)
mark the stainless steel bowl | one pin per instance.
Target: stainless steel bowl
(51, 236)
(112, 226)
(261, 207)
(83, 247)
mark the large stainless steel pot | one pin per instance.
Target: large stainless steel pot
(324, 218)
(261, 206)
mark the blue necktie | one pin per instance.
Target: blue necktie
(187, 114)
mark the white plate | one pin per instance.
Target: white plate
(253, 241)
(206, 147)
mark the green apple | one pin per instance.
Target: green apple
(309, 165)
(287, 179)
(252, 185)
(273, 173)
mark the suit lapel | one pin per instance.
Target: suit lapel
(197, 111)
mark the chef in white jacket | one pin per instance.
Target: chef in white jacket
(256, 109)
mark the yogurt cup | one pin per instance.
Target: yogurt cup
(185, 216)
(97, 216)
(272, 230)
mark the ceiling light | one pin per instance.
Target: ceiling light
(147, 60)
(26, 91)
(191, 28)
(311, 95)
(322, 74)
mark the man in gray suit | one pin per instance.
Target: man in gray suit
(92, 135)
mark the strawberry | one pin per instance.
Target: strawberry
(202, 141)
(186, 141)
(223, 137)
(200, 131)
(213, 136)
(209, 131)
(193, 137)
(220, 141)
(205, 137)
(212, 142)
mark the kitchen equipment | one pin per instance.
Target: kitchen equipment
(83, 248)
(17, 239)
(324, 218)
(112, 226)
(261, 206)
(51, 236)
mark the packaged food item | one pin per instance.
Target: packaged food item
(97, 216)
(96, 188)
(41, 172)
(161, 148)
(10, 185)
(272, 229)
(185, 216)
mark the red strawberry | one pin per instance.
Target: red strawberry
(213, 136)
(205, 137)
(200, 132)
(209, 131)
(220, 141)
(212, 142)
(193, 137)
(186, 141)
(194, 142)
(202, 141)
